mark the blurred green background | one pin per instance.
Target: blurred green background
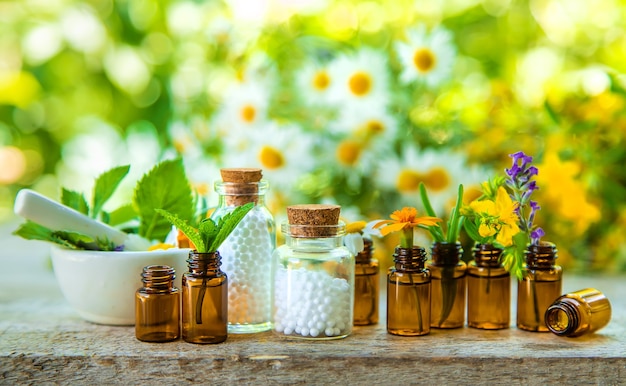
(351, 102)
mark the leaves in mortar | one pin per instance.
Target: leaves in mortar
(105, 185)
(165, 187)
(121, 215)
(32, 231)
(74, 200)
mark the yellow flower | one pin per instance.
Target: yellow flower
(355, 227)
(404, 219)
(497, 217)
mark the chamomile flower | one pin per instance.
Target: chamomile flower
(367, 122)
(314, 81)
(244, 105)
(282, 152)
(440, 171)
(358, 78)
(426, 57)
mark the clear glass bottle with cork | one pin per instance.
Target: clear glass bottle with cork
(247, 252)
(205, 299)
(578, 313)
(488, 290)
(539, 287)
(157, 305)
(313, 275)
(366, 286)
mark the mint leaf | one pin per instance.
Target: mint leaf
(165, 187)
(228, 223)
(74, 200)
(105, 186)
(208, 230)
(192, 233)
(33, 231)
(120, 215)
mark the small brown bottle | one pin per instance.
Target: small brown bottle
(157, 305)
(488, 290)
(366, 286)
(448, 286)
(205, 299)
(408, 293)
(578, 313)
(540, 286)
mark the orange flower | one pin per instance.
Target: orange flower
(405, 220)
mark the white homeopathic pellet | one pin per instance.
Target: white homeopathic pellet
(311, 303)
(245, 259)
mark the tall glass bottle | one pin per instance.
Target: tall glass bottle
(488, 290)
(408, 293)
(366, 286)
(157, 305)
(540, 286)
(313, 276)
(448, 286)
(577, 313)
(247, 252)
(205, 299)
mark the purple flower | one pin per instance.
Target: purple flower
(119, 248)
(536, 234)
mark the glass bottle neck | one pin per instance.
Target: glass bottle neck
(158, 277)
(446, 254)
(541, 256)
(487, 255)
(236, 194)
(202, 264)
(409, 259)
(365, 256)
(562, 317)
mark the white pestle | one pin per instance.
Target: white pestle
(53, 215)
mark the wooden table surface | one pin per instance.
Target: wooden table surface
(43, 340)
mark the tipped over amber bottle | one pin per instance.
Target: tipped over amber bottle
(157, 305)
(540, 286)
(366, 286)
(578, 313)
(488, 290)
(448, 285)
(408, 293)
(205, 299)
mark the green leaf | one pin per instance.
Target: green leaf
(74, 200)
(165, 187)
(472, 231)
(105, 186)
(192, 233)
(454, 224)
(120, 215)
(208, 230)
(33, 231)
(426, 202)
(228, 223)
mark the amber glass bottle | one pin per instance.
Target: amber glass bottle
(366, 286)
(578, 313)
(488, 290)
(448, 286)
(157, 305)
(205, 299)
(408, 293)
(540, 286)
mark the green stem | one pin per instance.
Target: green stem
(200, 300)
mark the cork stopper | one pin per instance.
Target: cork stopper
(241, 175)
(313, 220)
(240, 185)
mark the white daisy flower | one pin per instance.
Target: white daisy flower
(440, 171)
(314, 81)
(366, 122)
(426, 58)
(282, 152)
(361, 77)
